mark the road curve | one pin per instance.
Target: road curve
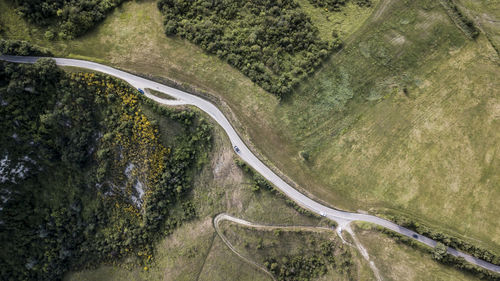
(341, 217)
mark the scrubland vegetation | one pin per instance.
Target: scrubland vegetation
(337, 5)
(67, 18)
(373, 128)
(414, 260)
(85, 177)
(297, 254)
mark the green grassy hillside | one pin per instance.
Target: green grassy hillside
(193, 251)
(404, 120)
(298, 254)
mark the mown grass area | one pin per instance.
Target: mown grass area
(397, 261)
(404, 120)
(160, 94)
(281, 246)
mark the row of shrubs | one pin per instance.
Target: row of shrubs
(466, 23)
(448, 240)
(440, 254)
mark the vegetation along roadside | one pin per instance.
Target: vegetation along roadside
(86, 178)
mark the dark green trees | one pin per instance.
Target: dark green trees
(63, 205)
(272, 42)
(70, 18)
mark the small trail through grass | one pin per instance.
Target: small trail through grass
(226, 217)
(206, 256)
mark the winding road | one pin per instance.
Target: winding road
(182, 98)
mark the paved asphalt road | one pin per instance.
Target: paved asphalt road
(341, 217)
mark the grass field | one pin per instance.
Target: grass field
(420, 134)
(404, 120)
(397, 261)
(344, 23)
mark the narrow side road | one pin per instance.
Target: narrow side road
(341, 217)
(217, 220)
(225, 217)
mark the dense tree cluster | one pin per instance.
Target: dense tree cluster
(70, 18)
(21, 48)
(56, 212)
(272, 42)
(297, 268)
(306, 267)
(336, 5)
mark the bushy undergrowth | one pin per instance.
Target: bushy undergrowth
(294, 254)
(310, 266)
(73, 149)
(21, 48)
(336, 5)
(296, 267)
(274, 43)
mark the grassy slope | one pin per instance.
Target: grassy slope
(397, 261)
(344, 22)
(428, 153)
(191, 250)
(230, 267)
(294, 243)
